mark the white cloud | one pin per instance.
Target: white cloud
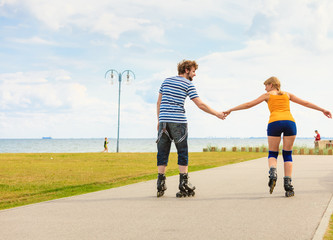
(305, 23)
(33, 40)
(42, 91)
(149, 19)
(6, 2)
(215, 32)
(111, 18)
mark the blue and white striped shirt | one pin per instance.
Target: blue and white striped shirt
(174, 91)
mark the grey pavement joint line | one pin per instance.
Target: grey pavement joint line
(320, 231)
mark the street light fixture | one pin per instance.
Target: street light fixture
(113, 74)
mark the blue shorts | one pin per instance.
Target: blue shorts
(275, 129)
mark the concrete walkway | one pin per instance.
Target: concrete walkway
(231, 202)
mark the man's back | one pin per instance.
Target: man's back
(174, 91)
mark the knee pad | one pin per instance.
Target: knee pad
(287, 156)
(272, 154)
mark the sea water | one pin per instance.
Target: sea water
(127, 145)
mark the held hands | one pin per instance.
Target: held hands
(226, 113)
(223, 115)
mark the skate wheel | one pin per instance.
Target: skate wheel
(181, 194)
(191, 194)
(160, 194)
(290, 194)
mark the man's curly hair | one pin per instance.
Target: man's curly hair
(186, 64)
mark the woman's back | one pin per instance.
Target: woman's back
(279, 106)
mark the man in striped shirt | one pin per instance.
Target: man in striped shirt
(172, 124)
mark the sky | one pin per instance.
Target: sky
(54, 56)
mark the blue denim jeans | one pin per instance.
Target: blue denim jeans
(178, 133)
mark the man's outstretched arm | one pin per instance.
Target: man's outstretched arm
(204, 107)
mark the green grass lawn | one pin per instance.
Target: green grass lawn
(35, 177)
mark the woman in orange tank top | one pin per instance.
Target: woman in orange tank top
(280, 122)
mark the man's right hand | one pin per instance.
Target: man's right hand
(221, 115)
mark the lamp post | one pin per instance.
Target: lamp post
(113, 75)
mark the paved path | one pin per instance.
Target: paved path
(231, 202)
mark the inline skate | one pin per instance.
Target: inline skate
(272, 179)
(288, 187)
(186, 188)
(161, 186)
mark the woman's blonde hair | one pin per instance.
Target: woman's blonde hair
(275, 82)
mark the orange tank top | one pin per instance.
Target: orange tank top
(279, 106)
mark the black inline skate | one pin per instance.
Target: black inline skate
(288, 187)
(161, 186)
(272, 179)
(186, 188)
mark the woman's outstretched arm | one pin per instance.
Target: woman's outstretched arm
(247, 105)
(309, 105)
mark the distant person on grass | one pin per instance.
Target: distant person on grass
(280, 121)
(317, 137)
(172, 124)
(106, 149)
